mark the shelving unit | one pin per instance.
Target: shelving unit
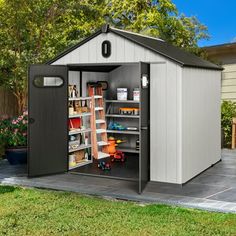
(83, 116)
(112, 113)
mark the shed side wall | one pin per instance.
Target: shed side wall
(165, 122)
(201, 92)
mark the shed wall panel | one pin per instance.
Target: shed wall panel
(122, 51)
(200, 120)
(165, 122)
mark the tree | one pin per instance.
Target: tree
(35, 31)
(158, 18)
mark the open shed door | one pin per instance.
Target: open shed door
(47, 132)
(144, 156)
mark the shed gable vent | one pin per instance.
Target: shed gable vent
(106, 48)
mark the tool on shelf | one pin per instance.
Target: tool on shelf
(98, 118)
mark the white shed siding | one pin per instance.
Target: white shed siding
(200, 120)
(123, 50)
(165, 122)
(229, 83)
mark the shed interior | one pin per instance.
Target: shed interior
(111, 122)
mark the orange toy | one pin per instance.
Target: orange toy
(112, 146)
(114, 154)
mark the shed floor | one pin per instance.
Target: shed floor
(123, 170)
(215, 189)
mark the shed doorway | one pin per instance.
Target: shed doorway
(94, 119)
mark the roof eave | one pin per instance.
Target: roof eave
(219, 68)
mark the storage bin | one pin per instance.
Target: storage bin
(122, 94)
(136, 94)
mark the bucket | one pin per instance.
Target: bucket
(122, 94)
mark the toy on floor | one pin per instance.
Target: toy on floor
(104, 166)
(114, 154)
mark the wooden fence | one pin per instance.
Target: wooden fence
(8, 104)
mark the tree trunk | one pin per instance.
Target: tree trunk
(21, 103)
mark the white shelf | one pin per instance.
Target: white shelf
(84, 98)
(80, 115)
(102, 155)
(81, 147)
(102, 143)
(79, 131)
(82, 163)
(99, 131)
(97, 96)
(123, 116)
(127, 149)
(122, 101)
(98, 108)
(123, 132)
(100, 121)
(80, 98)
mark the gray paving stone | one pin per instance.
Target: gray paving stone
(228, 196)
(208, 191)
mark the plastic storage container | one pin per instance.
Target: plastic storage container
(136, 94)
(122, 94)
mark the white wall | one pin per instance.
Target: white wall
(165, 121)
(200, 120)
(123, 50)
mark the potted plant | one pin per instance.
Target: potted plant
(13, 134)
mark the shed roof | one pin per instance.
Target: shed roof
(157, 45)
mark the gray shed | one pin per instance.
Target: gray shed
(178, 125)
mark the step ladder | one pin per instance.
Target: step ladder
(98, 122)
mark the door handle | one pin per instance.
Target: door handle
(144, 128)
(31, 120)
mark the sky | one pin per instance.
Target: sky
(218, 16)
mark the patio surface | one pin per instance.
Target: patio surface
(214, 189)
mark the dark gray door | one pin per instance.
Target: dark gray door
(47, 103)
(144, 156)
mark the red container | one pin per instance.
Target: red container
(74, 123)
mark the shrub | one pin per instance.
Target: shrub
(13, 132)
(228, 111)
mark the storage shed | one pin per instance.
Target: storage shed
(159, 102)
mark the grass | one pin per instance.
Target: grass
(40, 212)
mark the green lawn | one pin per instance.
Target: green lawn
(40, 212)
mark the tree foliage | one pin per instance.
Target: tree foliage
(35, 31)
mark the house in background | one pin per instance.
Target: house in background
(225, 55)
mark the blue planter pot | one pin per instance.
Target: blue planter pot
(17, 156)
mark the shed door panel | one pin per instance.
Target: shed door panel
(144, 157)
(47, 120)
